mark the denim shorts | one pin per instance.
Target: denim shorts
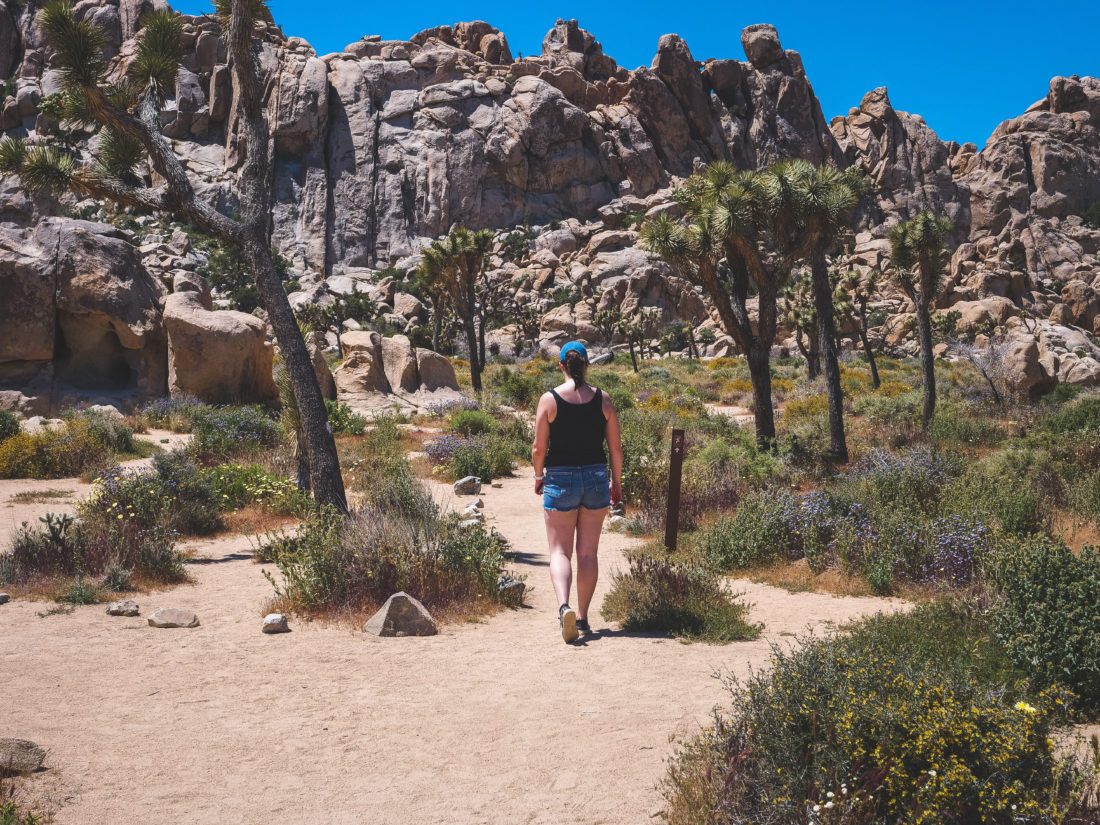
(568, 488)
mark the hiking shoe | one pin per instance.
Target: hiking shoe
(583, 627)
(568, 618)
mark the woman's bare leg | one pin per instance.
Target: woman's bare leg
(589, 525)
(560, 530)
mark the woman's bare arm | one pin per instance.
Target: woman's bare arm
(614, 449)
(542, 436)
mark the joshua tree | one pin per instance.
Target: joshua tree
(917, 251)
(125, 111)
(810, 207)
(607, 321)
(801, 316)
(452, 268)
(860, 290)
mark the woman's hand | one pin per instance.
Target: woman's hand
(616, 492)
(539, 483)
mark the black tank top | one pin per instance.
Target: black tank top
(577, 433)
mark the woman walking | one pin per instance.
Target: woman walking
(572, 423)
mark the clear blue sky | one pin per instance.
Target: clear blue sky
(963, 66)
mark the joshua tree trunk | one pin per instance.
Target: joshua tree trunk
(633, 359)
(813, 362)
(437, 322)
(255, 198)
(324, 464)
(761, 375)
(471, 343)
(867, 346)
(826, 330)
(927, 363)
(481, 343)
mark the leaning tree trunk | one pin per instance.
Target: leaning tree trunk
(927, 363)
(761, 376)
(867, 347)
(324, 464)
(255, 203)
(826, 336)
(633, 359)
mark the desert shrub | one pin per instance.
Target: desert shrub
(78, 591)
(12, 814)
(343, 420)
(1083, 415)
(228, 432)
(878, 726)
(236, 486)
(911, 480)
(472, 422)
(84, 444)
(341, 564)
(176, 496)
(801, 409)
(9, 425)
(1049, 622)
(1014, 503)
(175, 414)
(688, 600)
(486, 457)
(952, 425)
(518, 388)
(64, 547)
(762, 531)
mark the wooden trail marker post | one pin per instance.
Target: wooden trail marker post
(672, 508)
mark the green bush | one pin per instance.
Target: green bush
(764, 530)
(175, 414)
(83, 444)
(64, 547)
(236, 486)
(12, 814)
(486, 457)
(343, 420)
(688, 600)
(228, 432)
(1049, 623)
(1083, 415)
(952, 425)
(337, 563)
(518, 388)
(175, 496)
(881, 726)
(472, 422)
(9, 425)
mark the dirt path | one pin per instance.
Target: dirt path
(497, 722)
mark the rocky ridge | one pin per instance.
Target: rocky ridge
(383, 146)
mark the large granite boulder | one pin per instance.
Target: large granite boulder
(217, 355)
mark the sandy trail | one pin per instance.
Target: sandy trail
(496, 722)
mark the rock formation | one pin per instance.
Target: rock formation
(381, 147)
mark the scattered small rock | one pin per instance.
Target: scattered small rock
(127, 607)
(470, 522)
(498, 484)
(616, 522)
(275, 623)
(20, 756)
(5, 598)
(511, 591)
(401, 615)
(473, 511)
(477, 502)
(469, 486)
(173, 617)
(618, 509)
